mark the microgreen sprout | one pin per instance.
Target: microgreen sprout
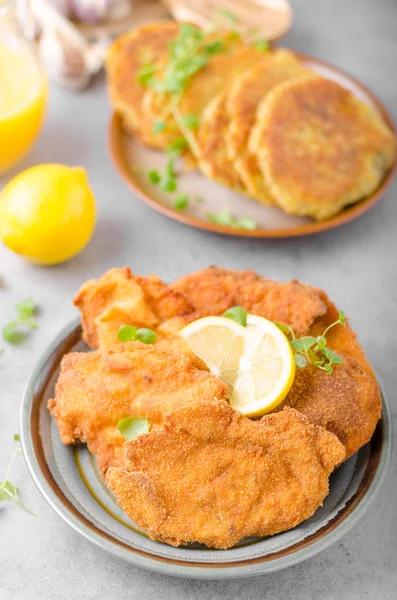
(188, 54)
(158, 127)
(131, 427)
(177, 146)
(236, 313)
(181, 202)
(261, 45)
(225, 218)
(8, 491)
(154, 176)
(15, 331)
(128, 333)
(190, 121)
(313, 350)
(146, 73)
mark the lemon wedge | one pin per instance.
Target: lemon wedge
(256, 361)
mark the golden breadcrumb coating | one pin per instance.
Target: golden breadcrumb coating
(215, 477)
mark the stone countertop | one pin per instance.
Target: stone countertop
(41, 558)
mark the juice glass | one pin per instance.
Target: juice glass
(23, 90)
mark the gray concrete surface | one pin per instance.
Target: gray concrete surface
(40, 557)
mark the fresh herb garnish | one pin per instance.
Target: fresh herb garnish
(246, 223)
(16, 437)
(158, 127)
(126, 333)
(154, 176)
(225, 218)
(190, 121)
(236, 313)
(129, 333)
(145, 335)
(131, 427)
(261, 45)
(181, 202)
(313, 350)
(189, 54)
(15, 331)
(8, 491)
(146, 73)
(177, 146)
(167, 184)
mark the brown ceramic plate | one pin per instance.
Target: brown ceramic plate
(69, 480)
(129, 156)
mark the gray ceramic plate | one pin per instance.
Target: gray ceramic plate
(69, 480)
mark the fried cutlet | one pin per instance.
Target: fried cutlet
(202, 86)
(215, 477)
(222, 68)
(97, 389)
(121, 298)
(213, 160)
(214, 290)
(146, 45)
(347, 403)
(319, 148)
(242, 103)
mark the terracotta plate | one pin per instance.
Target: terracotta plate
(69, 480)
(131, 159)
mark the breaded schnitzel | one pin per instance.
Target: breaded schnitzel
(121, 298)
(347, 403)
(97, 389)
(215, 477)
(214, 290)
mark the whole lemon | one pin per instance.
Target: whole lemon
(47, 213)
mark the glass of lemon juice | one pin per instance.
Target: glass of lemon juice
(23, 90)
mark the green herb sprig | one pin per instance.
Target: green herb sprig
(189, 53)
(313, 350)
(227, 219)
(236, 313)
(131, 427)
(129, 333)
(16, 331)
(8, 491)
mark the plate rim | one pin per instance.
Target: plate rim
(354, 509)
(351, 213)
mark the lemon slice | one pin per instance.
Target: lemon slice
(256, 361)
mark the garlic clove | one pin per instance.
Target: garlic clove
(90, 12)
(64, 62)
(95, 55)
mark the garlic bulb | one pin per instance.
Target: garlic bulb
(63, 61)
(65, 53)
(90, 12)
(93, 12)
(63, 6)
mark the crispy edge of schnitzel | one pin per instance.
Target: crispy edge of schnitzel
(212, 476)
(213, 290)
(120, 297)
